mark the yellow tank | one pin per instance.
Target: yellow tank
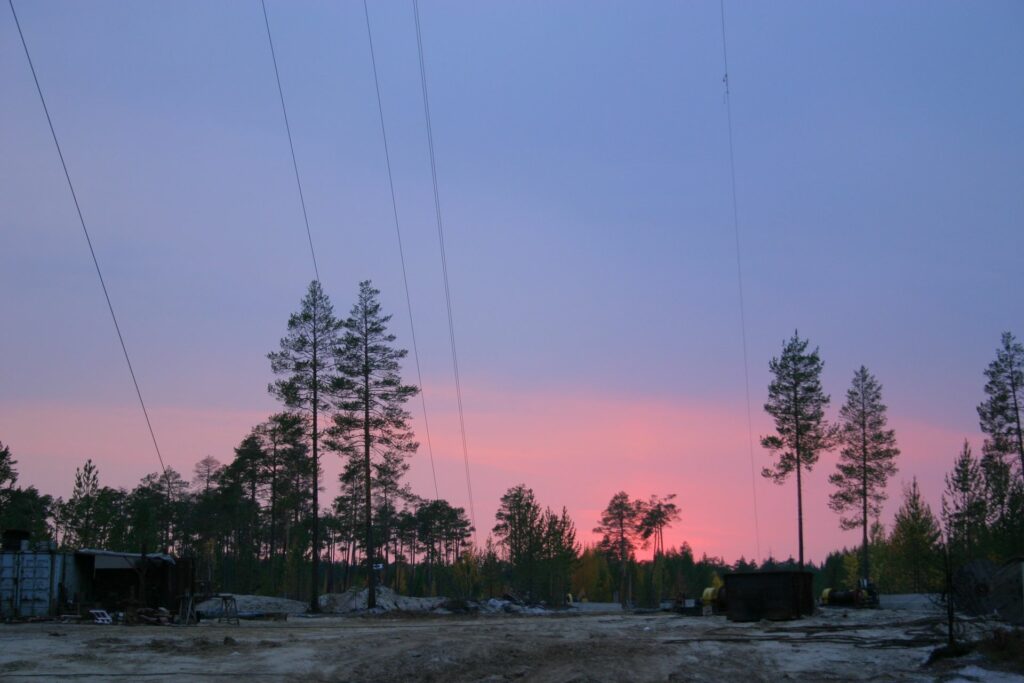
(709, 595)
(824, 596)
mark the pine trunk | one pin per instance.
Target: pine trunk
(1016, 416)
(371, 600)
(314, 597)
(864, 490)
(799, 483)
(800, 512)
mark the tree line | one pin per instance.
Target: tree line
(257, 524)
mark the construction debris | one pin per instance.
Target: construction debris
(154, 617)
(982, 588)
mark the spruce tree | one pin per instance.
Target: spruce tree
(371, 417)
(914, 541)
(797, 403)
(306, 366)
(964, 505)
(866, 461)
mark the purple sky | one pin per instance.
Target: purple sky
(583, 166)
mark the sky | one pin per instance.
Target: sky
(583, 167)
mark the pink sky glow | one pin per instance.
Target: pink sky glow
(573, 450)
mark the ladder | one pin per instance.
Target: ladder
(228, 610)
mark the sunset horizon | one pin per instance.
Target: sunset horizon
(596, 247)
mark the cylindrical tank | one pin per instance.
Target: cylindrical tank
(840, 598)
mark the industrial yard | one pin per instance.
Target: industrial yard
(888, 644)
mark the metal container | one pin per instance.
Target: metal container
(773, 595)
(29, 583)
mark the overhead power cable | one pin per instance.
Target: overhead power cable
(291, 145)
(401, 250)
(444, 258)
(739, 279)
(92, 251)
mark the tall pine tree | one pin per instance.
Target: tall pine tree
(656, 515)
(205, 474)
(797, 402)
(371, 420)
(620, 530)
(306, 365)
(866, 461)
(1000, 413)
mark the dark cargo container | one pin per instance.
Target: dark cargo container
(777, 595)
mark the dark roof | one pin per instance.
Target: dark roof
(94, 552)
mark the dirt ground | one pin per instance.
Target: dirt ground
(835, 645)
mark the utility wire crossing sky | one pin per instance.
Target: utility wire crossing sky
(582, 155)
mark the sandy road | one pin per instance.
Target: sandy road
(877, 645)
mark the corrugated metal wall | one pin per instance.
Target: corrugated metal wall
(29, 582)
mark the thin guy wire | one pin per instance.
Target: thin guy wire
(444, 258)
(401, 250)
(291, 145)
(92, 252)
(739, 279)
